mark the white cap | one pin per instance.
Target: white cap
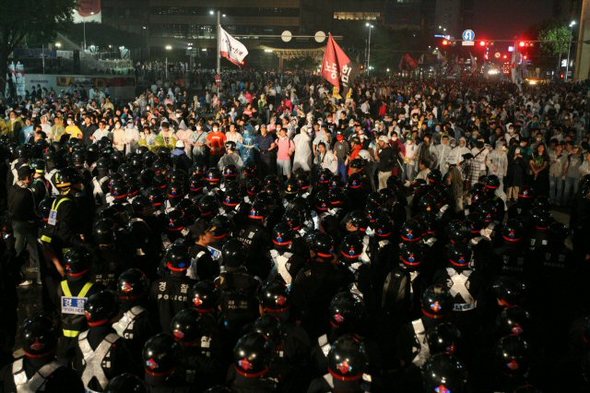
(179, 144)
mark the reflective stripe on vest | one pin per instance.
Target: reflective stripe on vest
(54, 206)
(459, 287)
(93, 358)
(83, 292)
(424, 351)
(127, 321)
(324, 345)
(281, 264)
(37, 381)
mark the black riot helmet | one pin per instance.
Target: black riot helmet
(357, 220)
(203, 296)
(270, 327)
(77, 262)
(444, 338)
(161, 354)
(436, 302)
(351, 247)
(252, 355)
(208, 206)
(322, 245)
(509, 291)
(513, 321)
(273, 297)
(347, 359)
(291, 188)
(186, 327)
(412, 231)
(233, 253)
(491, 183)
(39, 336)
(178, 259)
(126, 383)
(103, 231)
(411, 255)
(460, 255)
(383, 226)
(100, 308)
(294, 219)
(444, 374)
(282, 235)
(132, 285)
(45, 208)
(322, 201)
(346, 312)
(213, 176)
(230, 172)
(232, 198)
(258, 211)
(458, 231)
(513, 231)
(512, 356)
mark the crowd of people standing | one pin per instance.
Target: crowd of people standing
(266, 235)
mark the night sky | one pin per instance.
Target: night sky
(503, 19)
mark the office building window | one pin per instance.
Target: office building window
(357, 15)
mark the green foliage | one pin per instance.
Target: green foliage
(37, 20)
(555, 40)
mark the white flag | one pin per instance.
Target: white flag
(231, 49)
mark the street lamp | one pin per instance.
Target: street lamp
(168, 49)
(569, 49)
(370, 26)
(84, 28)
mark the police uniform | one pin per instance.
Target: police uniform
(72, 296)
(237, 299)
(256, 240)
(101, 355)
(170, 295)
(28, 376)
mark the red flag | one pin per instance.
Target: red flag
(336, 66)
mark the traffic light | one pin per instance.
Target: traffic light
(445, 42)
(482, 43)
(526, 44)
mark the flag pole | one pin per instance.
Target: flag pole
(218, 42)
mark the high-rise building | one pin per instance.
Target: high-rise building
(453, 16)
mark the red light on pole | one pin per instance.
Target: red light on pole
(445, 42)
(482, 43)
(522, 44)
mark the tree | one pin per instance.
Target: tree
(38, 20)
(556, 39)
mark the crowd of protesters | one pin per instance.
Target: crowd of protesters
(405, 227)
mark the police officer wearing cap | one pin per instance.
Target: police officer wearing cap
(38, 369)
(72, 295)
(170, 292)
(101, 353)
(64, 227)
